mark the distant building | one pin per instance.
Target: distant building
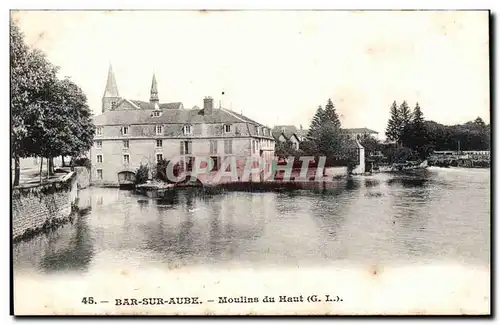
(357, 133)
(296, 135)
(288, 133)
(133, 132)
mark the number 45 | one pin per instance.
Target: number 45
(88, 300)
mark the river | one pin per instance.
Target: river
(380, 222)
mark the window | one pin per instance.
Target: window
(125, 130)
(258, 130)
(99, 174)
(113, 105)
(187, 129)
(99, 159)
(189, 164)
(126, 159)
(159, 129)
(125, 144)
(99, 130)
(213, 147)
(159, 143)
(228, 146)
(186, 147)
(156, 113)
(216, 164)
(98, 144)
(159, 157)
(255, 146)
(227, 128)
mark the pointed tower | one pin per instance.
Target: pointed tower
(153, 98)
(111, 96)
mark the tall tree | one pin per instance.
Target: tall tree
(418, 131)
(50, 117)
(316, 123)
(78, 127)
(67, 127)
(405, 115)
(330, 115)
(393, 129)
(30, 74)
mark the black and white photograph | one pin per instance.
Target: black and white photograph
(250, 162)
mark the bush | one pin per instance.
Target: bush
(82, 161)
(161, 170)
(402, 155)
(142, 174)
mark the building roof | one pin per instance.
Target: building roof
(147, 105)
(287, 130)
(360, 130)
(173, 116)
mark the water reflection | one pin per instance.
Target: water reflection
(381, 218)
(76, 256)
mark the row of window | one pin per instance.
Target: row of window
(189, 163)
(186, 146)
(159, 157)
(266, 143)
(186, 129)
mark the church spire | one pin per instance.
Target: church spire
(111, 97)
(111, 88)
(153, 99)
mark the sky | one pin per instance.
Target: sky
(276, 67)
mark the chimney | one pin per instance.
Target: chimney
(208, 105)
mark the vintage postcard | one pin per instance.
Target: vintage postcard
(265, 162)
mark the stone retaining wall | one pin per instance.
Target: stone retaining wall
(39, 207)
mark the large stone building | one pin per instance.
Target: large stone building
(133, 132)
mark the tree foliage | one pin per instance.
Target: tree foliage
(393, 129)
(325, 137)
(405, 117)
(285, 149)
(409, 130)
(416, 137)
(472, 135)
(142, 174)
(50, 117)
(370, 144)
(331, 116)
(316, 123)
(31, 76)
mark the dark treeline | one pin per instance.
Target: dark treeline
(473, 135)
(414, 138)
